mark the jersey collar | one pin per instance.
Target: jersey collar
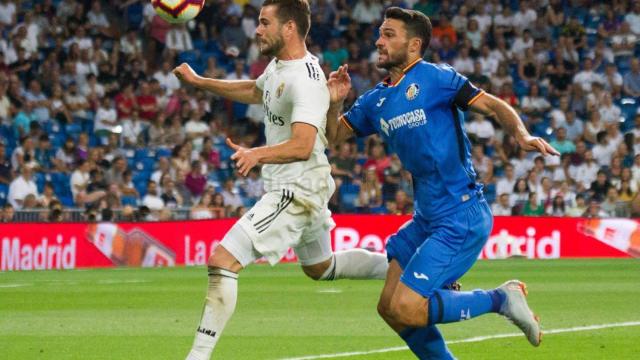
(387, 81)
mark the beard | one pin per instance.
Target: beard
(272, 48)
(393, 60)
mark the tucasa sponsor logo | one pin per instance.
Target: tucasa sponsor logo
(43, 256)
(206, 331)
(503, 245)
(409, 119)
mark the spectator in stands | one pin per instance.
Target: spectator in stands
(520, 194)
(534, 105)
(533, 207)
(178, 39)
(604, 149)
(600, 187)
(594, 210)
(631, 80)
(593, 127)
(43, 154)
(170, 196)
(502, 207)
(367, 12)
(623, 42)
(166, 78)
(132, 130)
(24, 155)
(5, 166)
(79, 185)
(481, 130)
(561, 143)
(151, 199)
(218, 207)
(609, 112)
(202, 209)
(378, 159)
(482, 164)
(370, 196)
(77, 103)
(230, 195)
(196, 180)
(558, 207)
(8, 213)
(253, 185)
(404, 203)
(22, 186)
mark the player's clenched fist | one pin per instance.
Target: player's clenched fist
(185, 73)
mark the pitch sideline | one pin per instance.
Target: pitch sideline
(470, 340)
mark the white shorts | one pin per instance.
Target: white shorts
(278, 221)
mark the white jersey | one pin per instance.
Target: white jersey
(296, 91)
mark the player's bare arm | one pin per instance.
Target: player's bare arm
(244, 91)
(297, 148)
(339, 84)
(490, 105)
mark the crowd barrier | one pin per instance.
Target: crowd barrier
(40, 246)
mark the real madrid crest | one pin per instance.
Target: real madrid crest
(412, 91)
(280, 90)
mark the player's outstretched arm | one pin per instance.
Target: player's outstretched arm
(298, 148)
(244, 91)
(339, 84)
(490, 105)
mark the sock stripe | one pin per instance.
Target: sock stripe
(216, 271)
(438, 298)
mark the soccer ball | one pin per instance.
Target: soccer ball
(177, 11)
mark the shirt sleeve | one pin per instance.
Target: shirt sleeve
(456, 88)
(357, 120)
(263, 77)
(310, 102)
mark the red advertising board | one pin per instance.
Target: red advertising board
(81, 245)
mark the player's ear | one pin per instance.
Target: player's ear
(415, 44)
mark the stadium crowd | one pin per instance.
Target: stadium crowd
(92, 116)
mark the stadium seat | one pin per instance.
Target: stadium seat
(129, 200)
(348, 196)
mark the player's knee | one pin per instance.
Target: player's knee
(404, 312)
(384, 310)
(315, 272)
(222, 258)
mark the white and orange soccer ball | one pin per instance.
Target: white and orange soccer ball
(177, 11)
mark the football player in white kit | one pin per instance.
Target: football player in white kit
(293, 212)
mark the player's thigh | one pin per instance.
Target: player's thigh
(315, 241)
(268, 229)
(403, 244)
(450, 251)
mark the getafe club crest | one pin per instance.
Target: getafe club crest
(412, 91)
(279, 91)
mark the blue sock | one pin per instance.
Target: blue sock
(426, 343)
(446, 306)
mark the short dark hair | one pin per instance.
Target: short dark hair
(417, 24)
(296, 10)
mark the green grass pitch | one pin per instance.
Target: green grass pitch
(153, 313)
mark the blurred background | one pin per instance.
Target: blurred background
(92, 117)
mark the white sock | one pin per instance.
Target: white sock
(356, 264)
(218, 308)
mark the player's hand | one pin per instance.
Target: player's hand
(245, 158)
(185, 73)
(339, 84)
(534, 143)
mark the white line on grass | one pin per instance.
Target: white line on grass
(469, 340)
(14, 285)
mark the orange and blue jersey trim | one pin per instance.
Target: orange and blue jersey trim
(480, 93)
(387, 80)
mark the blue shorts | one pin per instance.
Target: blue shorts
(437, 253)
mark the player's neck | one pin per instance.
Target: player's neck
(294, 51)
(396, 72)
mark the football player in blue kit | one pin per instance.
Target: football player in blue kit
(417, 112)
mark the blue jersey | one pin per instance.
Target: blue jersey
(419, 118)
